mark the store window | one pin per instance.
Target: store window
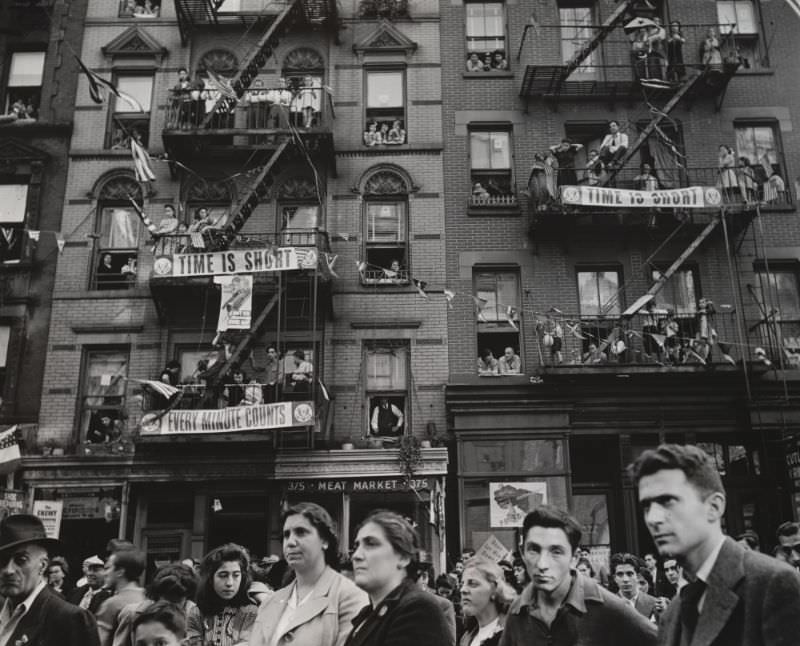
(490, 167)
(24, 86)
(497, 309)
(486, 37)
(118, 229)
(102, 399)
(600, 300)
(386, 122)
(130, 118)
(13, 212)
(387, 388)
(576, 30)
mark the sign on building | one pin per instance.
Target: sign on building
(236, 261)
(693, 197)
(49, 512)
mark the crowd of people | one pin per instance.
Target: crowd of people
(701, 587)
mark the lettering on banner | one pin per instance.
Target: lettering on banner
(237, 261)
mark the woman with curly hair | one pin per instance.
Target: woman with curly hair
(224, 614)
(485, 598)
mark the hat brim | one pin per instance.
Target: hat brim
(50, 544)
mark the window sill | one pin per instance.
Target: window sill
(435, 147)
(778, 208)
(488, 75)
(384, 282)
(504, 210)
(764, 71)
(32, 126)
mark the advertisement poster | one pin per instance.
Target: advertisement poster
(509, 502)
(49, 512)
(236, 303)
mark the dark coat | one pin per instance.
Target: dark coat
(408, 616)
(51, 621)
(751, 600)
(76, 595)
(645, 604)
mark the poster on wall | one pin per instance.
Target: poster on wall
(49, 512)
(509, 502)
(236, 302)
(493, 550)
(12, 501)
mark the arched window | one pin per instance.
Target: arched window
(118, 228)
(304, 71)
(214, 196)
(222, 63)
(385, 237)
(299, 211)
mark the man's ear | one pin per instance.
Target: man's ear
(716, 506)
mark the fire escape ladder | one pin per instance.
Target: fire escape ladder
(252, 64)
(659, 284)
(249, 338)
(662, 114)
(190, 12)
(611, 23)
(258, 191)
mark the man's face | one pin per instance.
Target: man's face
(613, 127)
(94, 576)
(183, 75)
(626, 580)
(548, 556)
(790, 547)
(21, 571)
(650, 561)
(272, 354)
(672, 571)
(509, 353)
(679, 518)
(110, 572)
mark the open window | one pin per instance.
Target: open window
(386, 122)
(387, 388)
(385, 229)
(487, 49)
(497, 310)
(13, 212)
(102, 400)
(139, 9)
(576, 23)
(758, 145)
(600, 299)
(24, 86)
(298, 212)
(739, 20)
(130, 118)
(118, 228)
(490, 167)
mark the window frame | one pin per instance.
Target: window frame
(504, 17)
(369, 117)
(690, 268)
(761, 280)
(123, 14)
(371, 395)
(499, 330)
(7, 80)
(100, 250)
(82, 420)
(506, 173)
(774, 126)
(590, 69)
(735, 6)
(297, 236)
(373, 275)
(598, 268)
(19, 227)
(126, 118)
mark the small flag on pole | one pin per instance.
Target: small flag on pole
(197, 240)
(151, 227)
(420, 285)
(165, 390)
(60, 242)
(142, 164)
(725, 350)
(330, 261)
(449, 294)
(221, 85)
(97, 83)
(9, 450)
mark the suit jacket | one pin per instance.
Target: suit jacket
(324, 619)
(408, 616)
(751, 600)
(51, 621)
(645, 604)
(97, 600)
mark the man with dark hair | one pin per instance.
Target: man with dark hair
(32, 614)
(789, 544)
(733, 597)
(559, 607)
(749, 540)
(422, 574)
(625, 569)
(122, 572)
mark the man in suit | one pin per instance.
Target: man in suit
(32, 613)
(625, 569)
(733, 597)
(90, 595)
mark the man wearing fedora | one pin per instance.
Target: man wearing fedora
(32, 614)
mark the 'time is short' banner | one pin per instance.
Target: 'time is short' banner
(694, 197)
(236, 261)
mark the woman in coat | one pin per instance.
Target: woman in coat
(399, 613)
(485, 598)
(318, 607)
(224, 614)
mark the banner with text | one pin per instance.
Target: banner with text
(236, 261)
(230, 420)
(693, 197)
(236, 303)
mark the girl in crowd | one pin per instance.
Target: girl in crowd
(174, 583)
(726, 162)
(399, 613)
(318, 607)
(162, 624)
(584, 567)
(485, 598)
(224, 614)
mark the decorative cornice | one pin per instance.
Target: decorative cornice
(355, 463)
(385, 39)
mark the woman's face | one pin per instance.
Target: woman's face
(476, 592)
(375, 562)
(303, 547)
(55, 575)
(519, 573)
(227, 580)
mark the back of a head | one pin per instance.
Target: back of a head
(698, 467)
(551, 517)
(116, 544)
(132, 561)
(165, 613)
(174, 583)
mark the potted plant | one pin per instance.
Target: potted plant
(389, 9)
(410, 456)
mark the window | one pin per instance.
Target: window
(5, 336)
(486, 34)
(576, 31)
(678, 294)
(118, 229)
(760, 144)
(299, 224)
(24, 88)
(103, 395)
(386, 114)
(497, 310)
(139, 8)
(13, 209)
(736, 16)
(386, 257)
(490, 159)
(387, 388)
(779, 290)
(599, 297)
(131, 116)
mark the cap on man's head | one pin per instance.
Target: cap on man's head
(93, 561)
(24, 529)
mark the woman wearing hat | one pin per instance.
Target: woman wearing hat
(318, 607)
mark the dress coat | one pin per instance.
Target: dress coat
(408, 616)
(324, 619)
(52, 621)
(645, 604)
(751, 600)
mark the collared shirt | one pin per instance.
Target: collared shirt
(510, 366)
(487, 631)
(704, 571)
(10, 619)
(613, 142)
(630, 602)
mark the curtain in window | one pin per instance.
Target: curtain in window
(736, 16)
(598, 293)
(26, 70)
(490, 150)
(13, 203)
(120, 228)
(385, 89)
(783, 293)
(105, 377)
(500, 290)
(386, 368)
(485, 26)
(300, 217)
(385, 223)
(678, 294)
(139, 87)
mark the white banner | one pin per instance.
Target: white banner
(236, 302)
(694, 197)
(230, 420)
(236, 261)
(49, 512)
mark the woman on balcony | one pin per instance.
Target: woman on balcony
(676, 70)
(308, 102)
(728, 183)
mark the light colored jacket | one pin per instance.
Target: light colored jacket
(325, 619)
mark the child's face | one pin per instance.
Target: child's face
(155, 633)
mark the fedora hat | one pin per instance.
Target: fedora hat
(24, 529)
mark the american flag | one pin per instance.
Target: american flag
(97, 83)
(165, 390)
(142, 164)
(9, 450)
(221, 85)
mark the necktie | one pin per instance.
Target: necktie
(690, 597)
